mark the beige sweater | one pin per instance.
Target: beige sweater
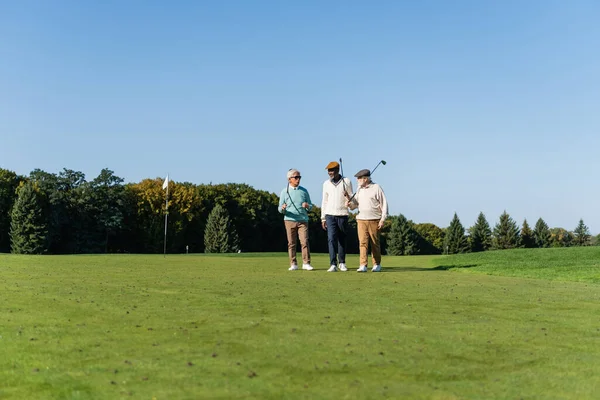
(334, 201)
(371, 203)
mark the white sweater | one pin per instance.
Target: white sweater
(334, 201)
(371, 203)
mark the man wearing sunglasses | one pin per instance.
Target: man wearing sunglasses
(294, 203)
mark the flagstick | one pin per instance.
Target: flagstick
(166, 218)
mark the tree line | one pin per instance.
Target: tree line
(408, 238)
(47, 213)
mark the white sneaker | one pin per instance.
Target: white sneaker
(307, 267)
(376, 268)
(333, 268)
(293, 267)
(362, 268)
(343, 267)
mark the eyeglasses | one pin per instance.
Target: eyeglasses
(296, 177)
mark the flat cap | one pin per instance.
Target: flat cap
(332, 165)
(362, 173)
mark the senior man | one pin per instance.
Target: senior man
(334, 215)
(372, 211)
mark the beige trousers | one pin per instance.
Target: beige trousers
(368, 234)
(297, 230)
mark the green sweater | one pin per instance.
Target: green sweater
(293, 197)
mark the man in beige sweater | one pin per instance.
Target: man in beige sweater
(372, 212)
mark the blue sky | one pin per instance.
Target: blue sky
(475, 105)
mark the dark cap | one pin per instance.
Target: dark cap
(362, 173)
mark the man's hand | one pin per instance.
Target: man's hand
(283, 206)
(324, 225)
(305, 205)
(380, 225)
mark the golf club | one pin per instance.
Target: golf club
(342, 174)
(380, 162)
(371, 174)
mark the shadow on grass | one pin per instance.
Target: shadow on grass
(433, 269)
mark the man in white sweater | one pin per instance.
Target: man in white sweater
(372, 212)
(334, 215)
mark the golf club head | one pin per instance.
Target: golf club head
(378, 164)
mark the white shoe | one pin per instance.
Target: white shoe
(362, 268)
(376, 268)
(333, 268)
(343, 267)
(293, 267)
(307, 267)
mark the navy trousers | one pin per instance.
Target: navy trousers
(337, 228)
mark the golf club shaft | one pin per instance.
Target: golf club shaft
(342, 175)
(371, 174)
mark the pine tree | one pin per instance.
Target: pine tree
(527, 239)
(481, 234)
(219, 235)
(456, 241)
(28, 228)
(402, 239)
(506, 233)
(582, 234)
(541, 234)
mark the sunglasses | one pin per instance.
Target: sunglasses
(296, 177)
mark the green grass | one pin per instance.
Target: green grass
(243, 327)
(580, 264)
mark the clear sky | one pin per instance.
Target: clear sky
(475, 105)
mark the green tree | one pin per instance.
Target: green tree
(506, 233)
(430, 238)
(456, 241)
(527, 237)
(9, 181)
(70, 217)
(107, 205)
(219, 234)
(560, 237)
(480, 237)
(254, 213)
(401, 240)
(28, 229)
(541, 234)
(582, 234)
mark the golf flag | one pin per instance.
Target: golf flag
(166, 186)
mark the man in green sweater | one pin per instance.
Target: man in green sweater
(294, 203)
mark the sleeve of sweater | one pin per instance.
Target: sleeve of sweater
(281, 201)
(384, 204)
(324, 201)
(349, 187)
(310, 204)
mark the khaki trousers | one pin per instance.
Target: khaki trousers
(300, 230)
(368, 234)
